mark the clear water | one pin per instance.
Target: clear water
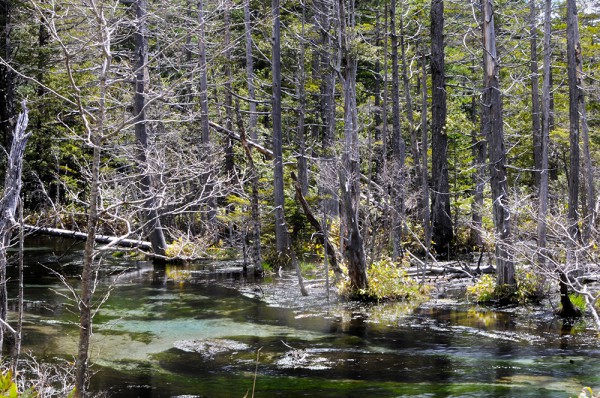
(190, 331)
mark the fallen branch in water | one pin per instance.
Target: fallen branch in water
(113, 240)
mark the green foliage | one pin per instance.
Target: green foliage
(390, 281)
(578, 301)
(8, 388)
(529, 285)
(484, 290)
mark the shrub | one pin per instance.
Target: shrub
(484, 290)
(390, 281)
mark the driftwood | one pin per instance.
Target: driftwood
(114, 240)
(317, 226)
(454, 269)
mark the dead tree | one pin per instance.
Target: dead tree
(8, 208)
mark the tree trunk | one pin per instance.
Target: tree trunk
(150, 212)
(301, 161)
(479, 141)
(278, 194)
(440, 214)
(398, 147)
(87, 279)
(229, 155)
(573, 66)
(492, 125)
(349, 172)
(327, 54)
(250, 71)
(424, 165)
(8, 208)
(205, 131)
(535, 96)
(414, 146)
(545, 139)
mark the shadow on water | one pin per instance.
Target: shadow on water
(196, 330)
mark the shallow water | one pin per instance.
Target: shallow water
(193, 331)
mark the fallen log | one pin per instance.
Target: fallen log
(112, 240)
(320, 236)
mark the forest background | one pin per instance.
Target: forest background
(358, 131)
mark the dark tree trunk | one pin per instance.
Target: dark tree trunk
(424, 160)
(535, 96)
(349, 173)
(492, 126)
(440, 212)
(229, 155)
(152, 219)
(377, 93)
(278, 194)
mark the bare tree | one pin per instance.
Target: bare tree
(492, 126)
(151, 216)
(349, 172)
(8, 208)
(279, 199)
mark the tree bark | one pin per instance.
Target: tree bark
(150, 212)
(492, 125)
(440, 212)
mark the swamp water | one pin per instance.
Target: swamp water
(196, 332)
